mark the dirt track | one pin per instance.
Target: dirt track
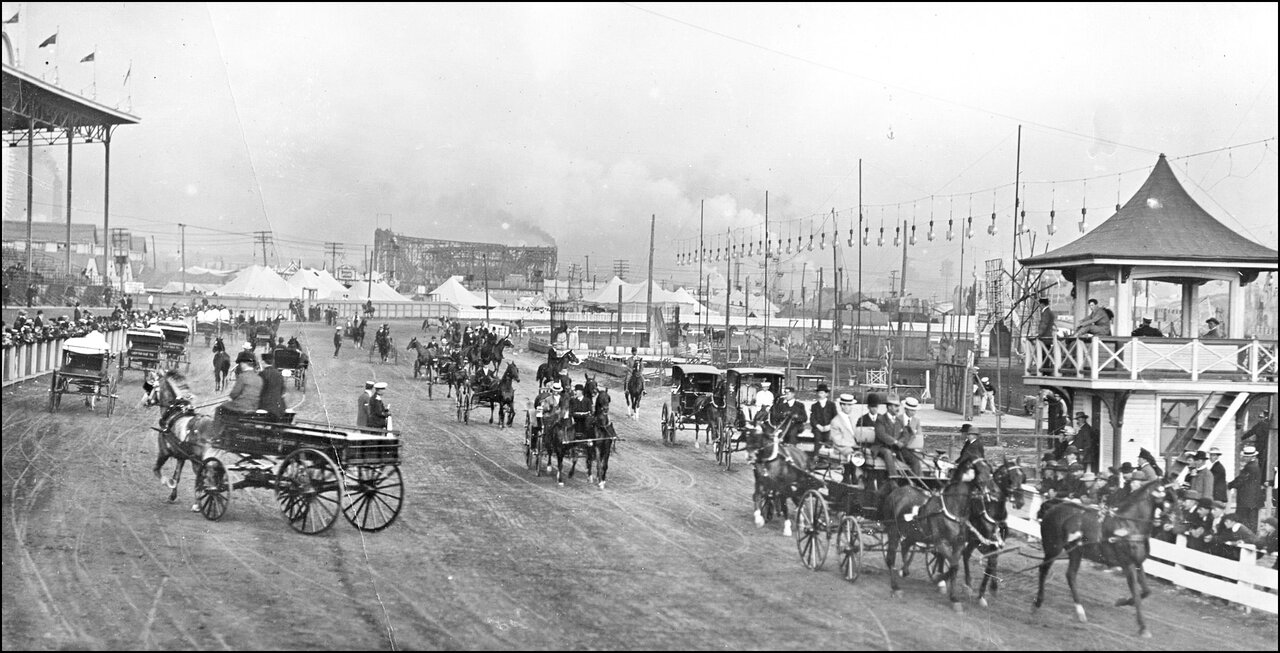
(484, 555)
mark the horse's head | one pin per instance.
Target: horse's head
(165, 388)
(413, 343)
(1009, 478)
(512, 374)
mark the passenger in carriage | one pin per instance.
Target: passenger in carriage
(972, 448)
(580, 409)
(843, 434)
(820, 415)
(889, 436)
(912, 432)
(789, 407)
(272, 394)
(548, 404)
(245, 394)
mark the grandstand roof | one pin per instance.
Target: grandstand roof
(48, 232)
(29, 100)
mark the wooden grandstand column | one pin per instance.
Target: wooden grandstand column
(106, 212)
(70, 145)
(31, 149)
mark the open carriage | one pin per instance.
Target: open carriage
(262, 334)
(86, 370)
(741, 386)
(213, 323)
(292, 365)
(691, 401)
(144, 349)
(176, 335)
(314, 469)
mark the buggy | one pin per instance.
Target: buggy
(86, 370)
(692, 401)
(176, 335)
(292, 363)
(741, 406)
(144, 347)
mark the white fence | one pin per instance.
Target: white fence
(23, 362)
(1247, 583)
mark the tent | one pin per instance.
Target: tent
(321, 281)
(607, 294)
(176, 287)
(378, 291)
(257, 281)
(454, 292)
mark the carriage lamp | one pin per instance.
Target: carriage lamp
(991, 229)
(1083, 219)
(1053, 228)
(951, 231)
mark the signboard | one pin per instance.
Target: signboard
(345, 273)
(134, 287)
(995, 282)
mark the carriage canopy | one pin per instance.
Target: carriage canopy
(151, 335)
(87, 345)
(741, 382)
(287, 359)
(700, 378)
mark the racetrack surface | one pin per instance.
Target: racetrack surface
(484, 554)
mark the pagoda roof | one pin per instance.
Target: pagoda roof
(1160, 225)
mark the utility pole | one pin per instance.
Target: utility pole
(119, 243)
(486, 287)
(902, 289)
(648, 304)
(702, 208)
(333, 249)
(586, 274)
(262, 237)
(764, 345)
(858, 300)
(728, 291)
(835, 314)
(182, 228)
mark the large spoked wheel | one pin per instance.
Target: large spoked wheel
(111, 400)
(849, 545)
(812, 535)
(528, 442)
(373, 497)
(667, 427)
(213, 489)
(55, 393)
(308, 489)
(466, 413)
(935, 565)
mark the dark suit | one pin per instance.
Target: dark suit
(821, 416)
(378, 412)
(1086, 441)
(781, 410)
(1249, 494)
(1147, 331)
(1219, 481)
(272, 397)
(887, 430)
(972, 450)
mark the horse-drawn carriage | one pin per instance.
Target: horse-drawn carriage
(86, 370)
(292, 364)
(213, 323)
(144, 349)
(263, 334)
(741, 407)
(498, 394)
(176, 335)
(562, 428)
(692, 401)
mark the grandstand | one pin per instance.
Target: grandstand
(428, 262)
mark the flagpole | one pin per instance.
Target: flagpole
(56, 34)
(95, 71)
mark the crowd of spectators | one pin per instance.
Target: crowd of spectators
(28, 328)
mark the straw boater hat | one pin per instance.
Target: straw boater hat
(847, 399)
(911, 403)
(1249, 451)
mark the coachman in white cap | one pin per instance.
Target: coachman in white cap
(1248, 487)
(362, 404)
(1219, 474)
(379, 411)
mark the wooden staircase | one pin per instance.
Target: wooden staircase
(1216, 416)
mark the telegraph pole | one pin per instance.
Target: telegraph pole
(183, 229)
(648, 305)
(486, 287)
(332, 249)
(702, 209)
(858, 300)
(902, 288)
(263, 237)
(764, 345)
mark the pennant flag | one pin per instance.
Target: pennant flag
(14, 19)
(52, 40)
(88, 57)
(128, 72)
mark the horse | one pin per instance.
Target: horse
(1118, 533)
(492, 352)
(424, 359)
(550, 370)
(602, 430)
(455, 374)
(183, 433)
(634, 390)
(1008, 478)
(561, 437)
(779, 473)
(939, 520)
(709, 410)
(502, 396)
(383, 340)
(221, 368)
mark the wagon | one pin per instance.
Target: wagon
(176, 335)
(314, 469)
(86, 370)
(691, 401)
(292, 364)
(144, 349)
(213, 323)
(263, 334)
(741, 406)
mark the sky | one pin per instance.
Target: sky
(574, 124)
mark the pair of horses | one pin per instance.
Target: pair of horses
(501, 396)
(565, 431)
(488, 352)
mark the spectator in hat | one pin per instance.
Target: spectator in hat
(844, 435)
(1200, 526)
(272, 397)
(247, 391)
(1201, 479)
(1097, 322)
(789, 407)
(1146, 330)
(764, 397)
(1048, 328)
(1219, 474)
(820, 415)
(1214, 329)
(379, 411)
(1086, 440)
(988, 396)
(362, 404)
(912, 432)
(1092, 486)
(886, 436)
(1266, 540)
(889, 430)
(1248, 487)
(972, 448)
(1058, 409)
(1232, 534)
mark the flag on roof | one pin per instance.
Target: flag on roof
(88, 57)
(128, 72)
(52, 40)
(14, 19)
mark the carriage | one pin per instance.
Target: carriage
(490, 397)
(86, 370)
(291, 364)
(176, 335)
(741, 386)
(144, 349)
(692, 389)
(263, 334)
(213, 323)
(314, 469)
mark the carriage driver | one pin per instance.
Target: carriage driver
(547, 404)
(580, 408)
(245, 395)
(634, 366)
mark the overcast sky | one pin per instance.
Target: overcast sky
(515, 123)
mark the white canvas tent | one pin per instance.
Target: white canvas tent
(257, 281)
(454, 292)
(379, 291)
(176, 287)
(607, 294)
(321, 281)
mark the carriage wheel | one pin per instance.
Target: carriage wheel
(812, 535)
(849, 545)
(55, 396)
(373, 497)
(307, 490)
(111, 401)
(213, 489)
(668, 426)
(466, 414)
(935, 565)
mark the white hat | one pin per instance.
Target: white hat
(986, 379)
(1214, 451)
(911, 402)
(1249, 451)
(846, 398)
(380, 385)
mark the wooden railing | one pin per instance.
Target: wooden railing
(26, 361)
(1184, 359)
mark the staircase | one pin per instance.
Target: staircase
(1215, 417)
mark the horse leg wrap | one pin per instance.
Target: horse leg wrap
(911, 516)
(1073, 536)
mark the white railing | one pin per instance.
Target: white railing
(1246, 582)
(26, 361)
(1164, 358)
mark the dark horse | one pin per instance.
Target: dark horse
(1118, 534)
(562, 437)
(779, 473)
(183, 433)
(492, 352)
(502, 396)
(424, 361)
(939, 520)
(550, 370)
(221, 365)
(1008, 478)
(454, 373)
(634, 390)
(601, 430)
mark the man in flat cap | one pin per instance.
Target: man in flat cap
(1146, 330)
